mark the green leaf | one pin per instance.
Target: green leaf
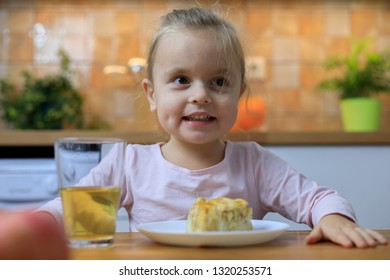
(40, 103)
(361, 73)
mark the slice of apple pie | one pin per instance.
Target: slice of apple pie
(219, 214)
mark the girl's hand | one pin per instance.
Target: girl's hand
(342, 231)
(31, 236)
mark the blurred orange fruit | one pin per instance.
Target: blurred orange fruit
(251, 113)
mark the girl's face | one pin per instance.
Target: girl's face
(194, 92)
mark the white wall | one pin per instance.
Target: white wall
(359, 173)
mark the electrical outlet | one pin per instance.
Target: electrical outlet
(255, 67)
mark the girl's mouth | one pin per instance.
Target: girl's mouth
(199, 118)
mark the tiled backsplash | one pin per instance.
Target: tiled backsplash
(292, 36)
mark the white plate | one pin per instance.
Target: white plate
(174, 233)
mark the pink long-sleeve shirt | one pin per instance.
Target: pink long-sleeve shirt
(153, 189)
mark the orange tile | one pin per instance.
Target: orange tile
(258, 47)
(311, 102)
(98, 80)
(285, 123)
(333, 124)
(312, 123)
(100, 103)
(284, 4)
(45, 3)
(128, 47)
(312, 49)
(95, 4)
(78, 46)
(385, 124)
(127, 22)
(238, 19)
(337, 22)
(311, 75)
(312, 6)
(285, 48)
(20, 21)
(68, 3)
(75, 22)
(234, 4)
(148, 124)
(15, 70)
(20, 48)
(154, 4)
(285, 75)
(255, 4)
(128, 82)
(363, 23)
(311, 24)
(286, 22)
(149, 20)
(337, 46)
(259, 23)
(385, 98)
(104, 23)
(104, 49)
(48, 17)
(283, 102)
(255, 88)
(331, 104)
(125, 102)
(3, 49)
(383, 22)
(41, 70)
(81, 76)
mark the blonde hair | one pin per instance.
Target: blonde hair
(201, 19)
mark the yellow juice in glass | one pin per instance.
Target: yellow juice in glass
(90, 212)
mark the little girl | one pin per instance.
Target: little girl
(196, 76)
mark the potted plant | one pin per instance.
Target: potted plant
(361, 76)
(50, 102)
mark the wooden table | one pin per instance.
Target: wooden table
(290, 245)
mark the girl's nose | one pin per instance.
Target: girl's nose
(200, 95)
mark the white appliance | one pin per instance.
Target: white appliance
(27, 183)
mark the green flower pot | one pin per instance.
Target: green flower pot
(361, 114)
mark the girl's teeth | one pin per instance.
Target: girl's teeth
(199, 118)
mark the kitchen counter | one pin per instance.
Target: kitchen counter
(47, 137)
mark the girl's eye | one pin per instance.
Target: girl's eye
(181, 80)
(219, 82)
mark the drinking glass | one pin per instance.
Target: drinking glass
(89, 172)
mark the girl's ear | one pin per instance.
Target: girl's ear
(149, 91)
